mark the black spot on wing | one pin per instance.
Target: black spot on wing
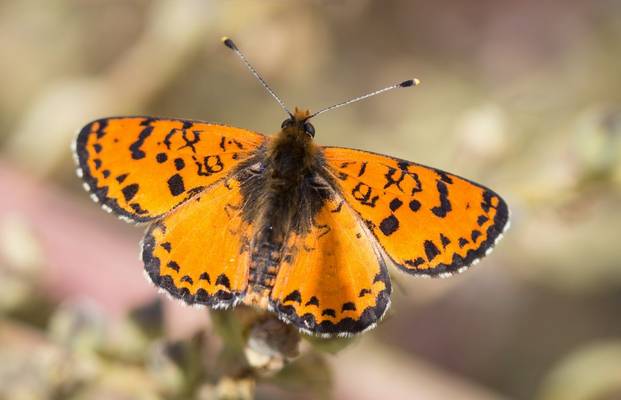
(97, 162)
(135, 148)
(364, 194)
(147, 121)
(349, 306)
(364, 292)
(415, 263)
(138, 209)
(97, 147)
(188, 279)
(175, 185)
(169, 135)
(179, 164)
(475, 235)
(414, 205)
(443, 176)
(205, 277)
(293, 296)
(405, 167)
(482, 219)
(363, 168)
(431, 251)
(166, 246)
(105, 173)
(314, 301)
(486, 203)
(190, 141)
(239, 145)
(462, 242)
(394, 177)
(161, 157)
(101, 129)
(395, 204)
(130, 191)
(223, 280)
(121, 178)
(445, 241)
(329, 312)
(445, 205)
(389, 225)
(173, 265)
(211, 164)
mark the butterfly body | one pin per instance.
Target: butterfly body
(283, 192)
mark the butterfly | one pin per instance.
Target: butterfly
(279, 222)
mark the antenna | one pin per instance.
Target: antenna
(404, 84)
(229, 43)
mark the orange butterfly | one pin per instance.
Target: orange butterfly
(280, 223)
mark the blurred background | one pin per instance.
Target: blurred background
(522, 96)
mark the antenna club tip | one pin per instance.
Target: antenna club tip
(228, 43)
(409, 82)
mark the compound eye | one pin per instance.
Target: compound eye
(286, 123)
(309, 129)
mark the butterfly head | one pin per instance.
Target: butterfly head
(297, 124)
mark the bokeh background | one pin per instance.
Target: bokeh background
(522, 96)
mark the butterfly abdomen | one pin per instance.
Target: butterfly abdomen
(275, 216)
(264, 260)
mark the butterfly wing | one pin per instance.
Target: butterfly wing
(140, 168)
(199, 252)
(332, 280)
(428, 221)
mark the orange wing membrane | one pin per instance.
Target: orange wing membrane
(332, 280)
(140, 168)
(199, 253)
(428, 221)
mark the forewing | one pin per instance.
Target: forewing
(332, 281)
(199, 253)
(141, 168)
(428, 221)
